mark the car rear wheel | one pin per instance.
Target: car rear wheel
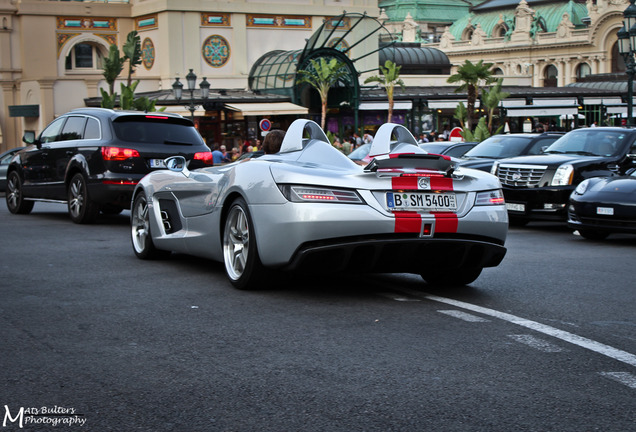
(80, 207)
(452, 277)
(15, 199)
(140, 231)
(240, 254)
(593, 234)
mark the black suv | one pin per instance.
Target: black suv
(484, 154)
(538, 187)
(92, 158)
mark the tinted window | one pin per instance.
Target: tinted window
(499, 146)
(156, 129)
(92, 129)
(52, 131)
(539, 144)
(458, 150)
(592, 142)
(73, 128)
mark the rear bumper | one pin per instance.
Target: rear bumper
(395, 255)
(113, 189)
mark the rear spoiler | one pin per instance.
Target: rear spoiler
(403, 156)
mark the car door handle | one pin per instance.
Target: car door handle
(70, 152)
(45, 154)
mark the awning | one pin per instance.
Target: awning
(384, 106)
(176, 109)
(541, 111)
(448, 103)
(273, 108)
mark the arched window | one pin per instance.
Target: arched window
(583, 70)
(618, 63)
(468, 33)
(497, 71)
(84, 56)
(500, 30)
(550, 76)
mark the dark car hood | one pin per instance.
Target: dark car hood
(622, 185)
(553, 160)
(483, 164)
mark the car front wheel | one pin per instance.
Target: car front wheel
(81, 209)
(240, 254)
(140, 231)
(15, 199)
(451, 277)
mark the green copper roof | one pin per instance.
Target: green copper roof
(426, 10)
(551, 15)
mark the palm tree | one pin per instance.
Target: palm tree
(389, 79)
(491, 99)
(471, 76)
(132, 51)
(322, 74)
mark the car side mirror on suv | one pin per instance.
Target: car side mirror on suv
(29, 138)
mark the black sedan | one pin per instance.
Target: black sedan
(600, 206)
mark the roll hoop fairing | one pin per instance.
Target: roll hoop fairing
(309, 208)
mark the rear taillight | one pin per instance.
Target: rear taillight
(205, 157)
(118, 153)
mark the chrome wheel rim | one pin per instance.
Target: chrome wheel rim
(76, 197)
(140, 225)
(236, 240)
(13, 191)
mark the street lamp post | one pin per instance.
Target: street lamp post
(627, 48)
(191, 81)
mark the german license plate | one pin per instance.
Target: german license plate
(608, 211)
(516, 207)
(157, 163)
(421, 201)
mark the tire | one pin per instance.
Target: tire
(240, 254)
(448, 278)
(140, 231)
(591, 234)
(14, 196)
(80, 207)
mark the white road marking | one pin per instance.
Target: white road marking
(536, 343)
(625, 378)
(606, 350)
(396, 297)
(463, 316)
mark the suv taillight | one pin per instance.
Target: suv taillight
(205, 157)
(118, 153)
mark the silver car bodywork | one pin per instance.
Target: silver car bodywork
(310, 208)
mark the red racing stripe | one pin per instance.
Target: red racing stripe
(445, 222)
(398, 183)
(407, 222)
(441, 183)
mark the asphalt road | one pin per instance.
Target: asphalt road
(95, 339)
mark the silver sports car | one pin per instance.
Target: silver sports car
(309, 208)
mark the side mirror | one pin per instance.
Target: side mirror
(177, 164)
(544, 148)
(29, 137)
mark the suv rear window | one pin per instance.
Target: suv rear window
(156, 129)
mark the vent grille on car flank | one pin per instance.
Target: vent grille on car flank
(521, 175)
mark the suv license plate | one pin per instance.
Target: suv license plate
(157, 163)
(421, 201)
(516, 207)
